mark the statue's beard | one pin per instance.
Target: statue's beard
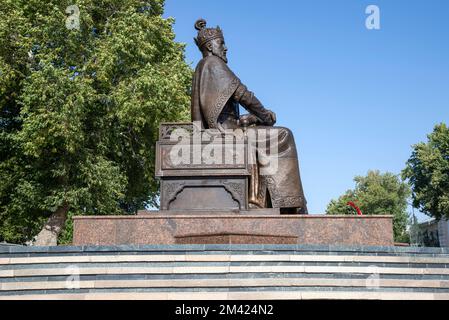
(221, 55)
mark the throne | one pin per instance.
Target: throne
(202, 170)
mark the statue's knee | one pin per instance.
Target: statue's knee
(284, 132)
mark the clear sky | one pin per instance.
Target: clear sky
(355, 99)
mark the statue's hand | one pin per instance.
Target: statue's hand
(248, 120)
(220, 128)
(271, 118)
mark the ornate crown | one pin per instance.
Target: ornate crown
(206, 34)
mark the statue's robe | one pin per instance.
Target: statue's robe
(216, 92)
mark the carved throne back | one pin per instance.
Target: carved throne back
(201, 169)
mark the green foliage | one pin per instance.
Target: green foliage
(65, 238)
(80, 109)
(427, 171)
(379, 194)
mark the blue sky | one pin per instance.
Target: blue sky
(355, 99)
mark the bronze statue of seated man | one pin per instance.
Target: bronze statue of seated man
(216, 95)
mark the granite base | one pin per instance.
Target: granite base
(175, 228)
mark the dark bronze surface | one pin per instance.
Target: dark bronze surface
(191, 186)
(224, 161)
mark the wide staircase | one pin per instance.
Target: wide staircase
(224, 272)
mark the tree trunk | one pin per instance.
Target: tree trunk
(48, 236)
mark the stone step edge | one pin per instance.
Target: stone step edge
(221, 247)
(219, 270)
(267, 295)
(220, 258)
(369, 283)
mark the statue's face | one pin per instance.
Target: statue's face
(218, 48)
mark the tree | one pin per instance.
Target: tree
(427, 171)
(377, 193)
(81, 107)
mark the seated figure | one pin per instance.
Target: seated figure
(216, 95)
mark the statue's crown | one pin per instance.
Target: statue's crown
(206, 34)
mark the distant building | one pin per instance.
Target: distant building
(432, 233)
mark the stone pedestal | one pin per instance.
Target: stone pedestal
(239, 227)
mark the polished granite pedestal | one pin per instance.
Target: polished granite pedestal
(264, 226)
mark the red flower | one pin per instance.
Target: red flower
(352, 204)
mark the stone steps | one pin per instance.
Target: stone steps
(224, 272)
